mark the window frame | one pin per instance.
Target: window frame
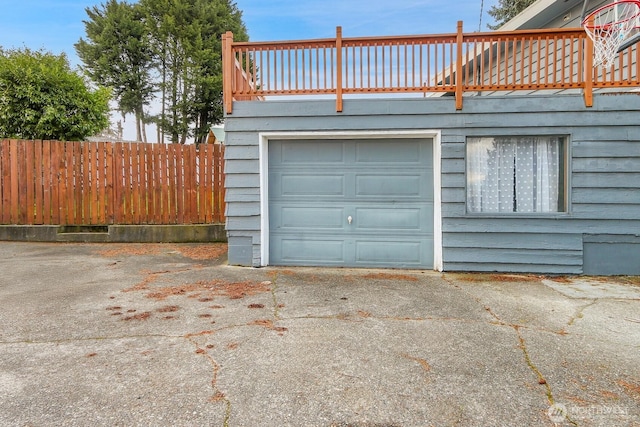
(566, 177)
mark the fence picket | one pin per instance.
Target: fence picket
(55, 183)
(85, 198)
(37, 184)
(192, 179)
(179, 187)
(46, 182)
(216, 183)
(201, 163)
(77, 180)
(5, 187)
(218, 189)
(147, 200)
(108, 183)
(186, 180)
(101, 182)
(15, 179)
(29, 182)
(94, 199)
(68, 184)
(22, 182)
(172, 199)
(164, 183)
(136, 177)
(157, 184)
(208, 175)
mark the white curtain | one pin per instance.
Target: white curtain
(514, 174)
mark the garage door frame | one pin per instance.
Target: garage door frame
(265, 137)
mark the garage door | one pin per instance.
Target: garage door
(351, 203)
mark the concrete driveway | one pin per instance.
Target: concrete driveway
(169, 335)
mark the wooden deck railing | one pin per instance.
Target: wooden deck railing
(101, 183)
(457, 63)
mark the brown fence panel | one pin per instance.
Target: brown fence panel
(101, 183)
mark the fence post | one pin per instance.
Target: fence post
(227, 71)
(459, 39)
(339, 69)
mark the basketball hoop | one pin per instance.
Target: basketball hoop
(609, 27)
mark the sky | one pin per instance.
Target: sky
(56, 25)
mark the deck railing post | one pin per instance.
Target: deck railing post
(227, 71)
(588, 71)
(459, 82)
(339, 69)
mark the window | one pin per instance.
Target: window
(515, 174)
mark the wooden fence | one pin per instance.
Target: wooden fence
(456, 63)
(101, 183)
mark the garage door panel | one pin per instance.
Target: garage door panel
(389, 219)
(391, 185)
(311, 152)
(375, 252)
(308, 252)
(391, 152)
(298, 217)
(286, 185)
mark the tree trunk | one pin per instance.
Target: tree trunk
(203, 127)
(138, 130)
(184, 111)
(143, 125)
(162, 121)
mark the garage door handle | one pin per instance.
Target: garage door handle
(349, 219)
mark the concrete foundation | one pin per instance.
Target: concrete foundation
(192, 233)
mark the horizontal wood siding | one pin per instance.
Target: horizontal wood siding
(242, 197)
(604, 166)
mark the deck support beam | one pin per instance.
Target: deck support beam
(459, 82)
(227, 71)
(339, 69)
(588, 72)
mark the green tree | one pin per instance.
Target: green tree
(117, 53)
(42, 98)
(187, 38)
(505, 10)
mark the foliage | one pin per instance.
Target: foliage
(117, 53)
(505, 10)
(187, 37)
(42, 98)
(166, 48)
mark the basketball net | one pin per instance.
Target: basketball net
(609, 26)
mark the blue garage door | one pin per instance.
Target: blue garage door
(351, 203)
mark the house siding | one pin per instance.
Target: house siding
(603, 167)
